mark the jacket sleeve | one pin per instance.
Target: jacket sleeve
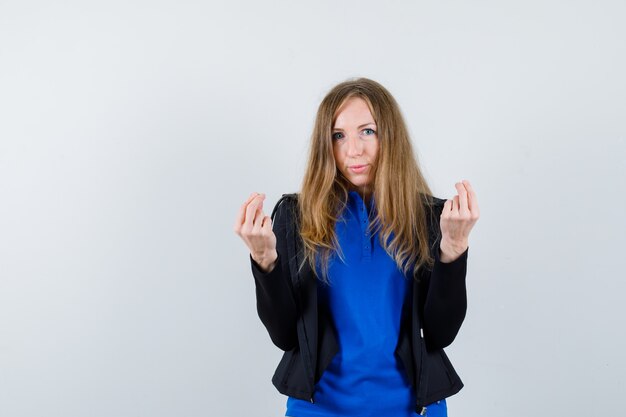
(275, 299)
(446, 299)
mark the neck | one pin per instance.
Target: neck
(365, 192)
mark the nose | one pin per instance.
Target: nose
(354, 145)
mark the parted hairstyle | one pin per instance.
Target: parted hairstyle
(401, 194)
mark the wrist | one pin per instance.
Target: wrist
(266, 261)
(450, 251)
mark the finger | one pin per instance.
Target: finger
(251, 209)
(472, 200)
(455, 205)
(242, 211)
(266, 227)
(259, 208)
(462, 197)
(259, 216)
(254, 194)
(447, 207)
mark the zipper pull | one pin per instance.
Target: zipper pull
(422, 332)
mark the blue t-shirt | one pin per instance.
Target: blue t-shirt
(365, 299)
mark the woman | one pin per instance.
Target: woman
(360, 278)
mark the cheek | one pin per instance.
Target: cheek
(338, 157)
(374, 150)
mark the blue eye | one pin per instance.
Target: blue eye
(371, 131)
(337, 135)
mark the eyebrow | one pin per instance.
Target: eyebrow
(363, 125)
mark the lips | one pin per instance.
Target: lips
(357, 169)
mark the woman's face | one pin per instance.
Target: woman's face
(355, 143)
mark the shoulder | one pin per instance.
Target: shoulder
(435, 204)
(438, 201)
(433, 209)
(293, 197)
(285, 207)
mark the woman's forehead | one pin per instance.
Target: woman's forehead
(353, 107)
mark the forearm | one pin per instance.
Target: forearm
(276, 306)
(446, 302)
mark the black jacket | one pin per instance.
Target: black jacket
(287, 306)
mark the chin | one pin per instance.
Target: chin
(360, 184)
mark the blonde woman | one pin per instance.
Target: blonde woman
(360, 277)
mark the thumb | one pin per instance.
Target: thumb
(267, 224)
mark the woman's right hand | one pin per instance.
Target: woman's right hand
(255, 228)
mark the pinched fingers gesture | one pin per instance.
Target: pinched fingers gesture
(255, 229)
(457, 219)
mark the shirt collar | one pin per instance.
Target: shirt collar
(356, 201)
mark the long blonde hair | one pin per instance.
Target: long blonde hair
(402, 196)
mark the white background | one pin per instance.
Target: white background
(131, 132)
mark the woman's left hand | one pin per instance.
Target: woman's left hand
(457, 219)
